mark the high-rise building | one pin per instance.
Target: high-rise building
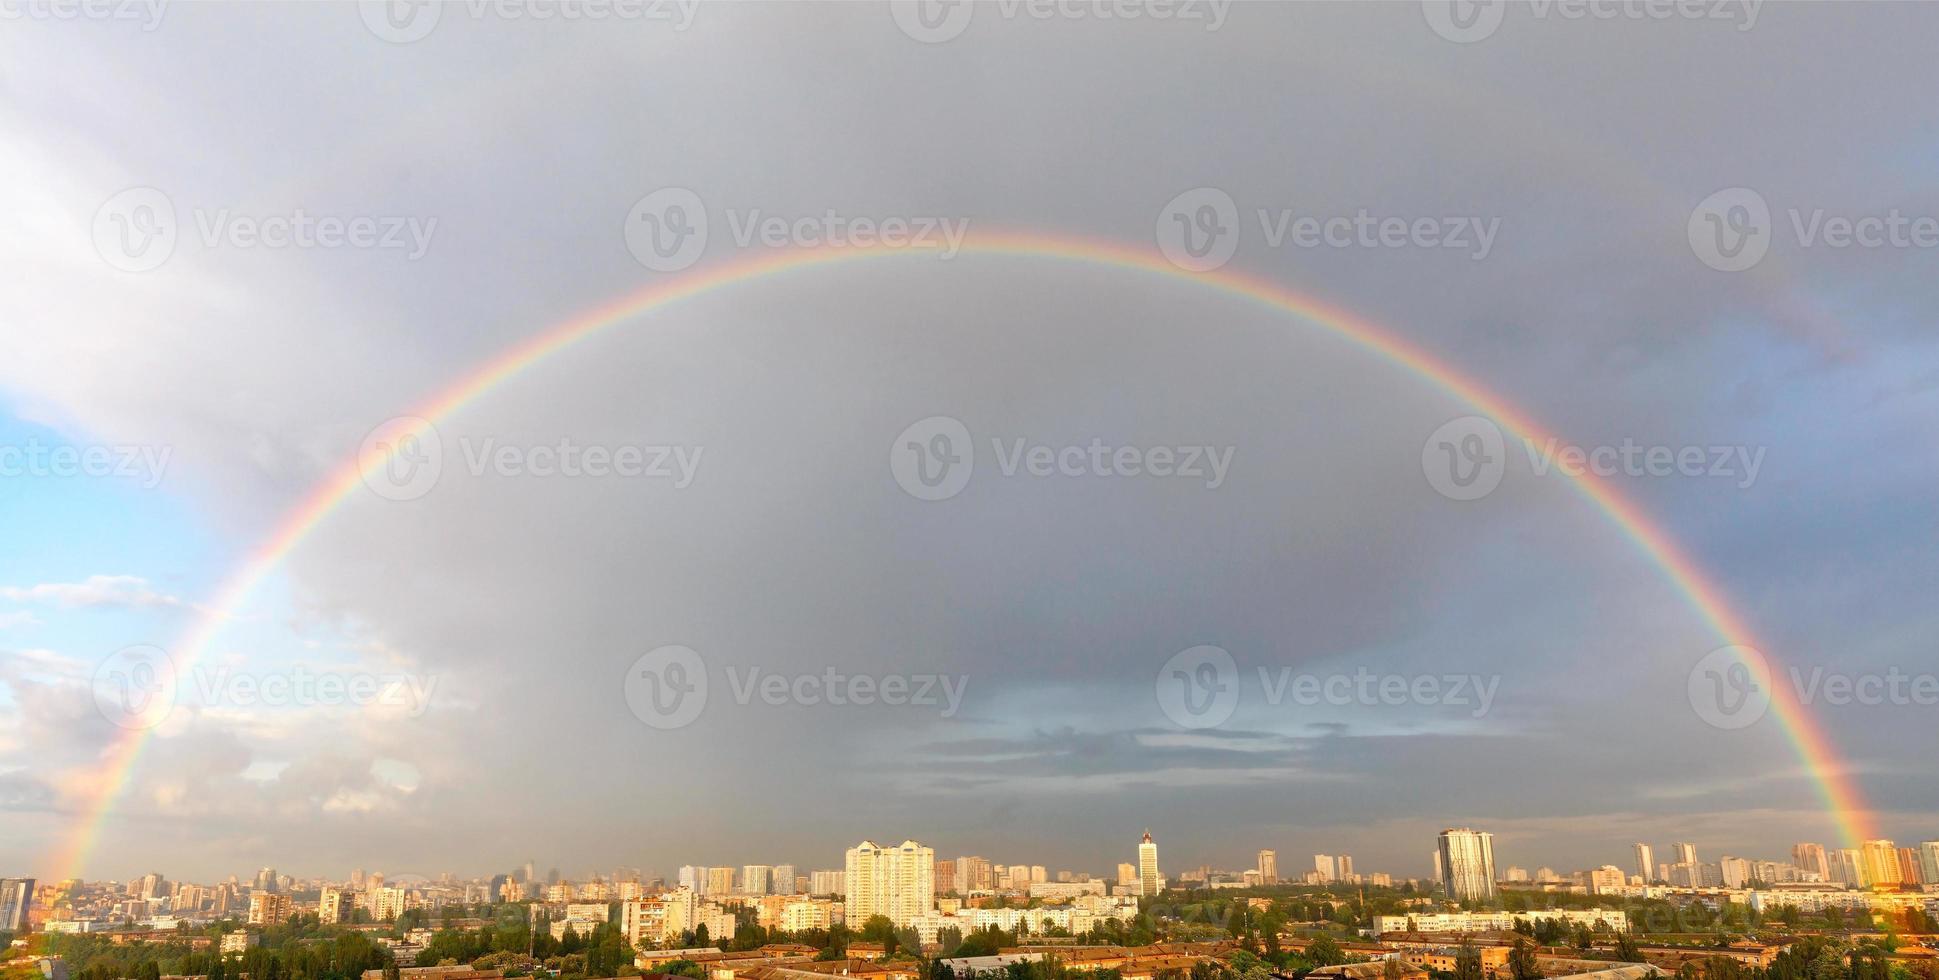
(946, 876)
(1440, 867)
(755, 879)
(693, 879)
(1811, 857)
(1128, 875)
(387, 904)
(1149, 882)
(1847, 866)
(334, 906)
(1881, 863)
(16, 898)
(898, 882)
(265, 880)
(1269, 867)
(828, 883)
(1328, 869)
(1929, 861)
(1686, 853)
(1468, 860)
(720, 881)
(267, 908)
(784, 879)
(1344, 865)
(1909, 871)
(1038, 875)
(1645, 862)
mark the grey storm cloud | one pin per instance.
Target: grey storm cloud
(1056, 600)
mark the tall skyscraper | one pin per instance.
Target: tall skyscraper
(1269, 867)
(784, 876)
(1468, 860)
(1847, 866)
(16, 897)
(1148, 879)
(898, 882)
(1881, 863)
(755, 879)
(1929, 861)
(720, 881)
(266, 880)
(1686, 853)
(1645, 862)
(1325, 865)
(1811, 857)
(1344, 865)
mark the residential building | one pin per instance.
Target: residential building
(897, 882)
(1881, 863)
(1150, 883)
(1811, 857)
(1468, 857)
(1269, 867)
(16, 898)
(268, 908)
(1645, 862)
(334, 906)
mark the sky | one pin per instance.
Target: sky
(514, 642)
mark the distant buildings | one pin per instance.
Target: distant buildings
(1645, 862)
(334, 905)
(1614, 920)
(1811, 857)
(1269, 867)
(1468, 862)
(1686, 853)
(1881, 863)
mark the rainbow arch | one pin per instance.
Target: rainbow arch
(1835, 785)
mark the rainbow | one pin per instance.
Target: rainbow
(1840, 794)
